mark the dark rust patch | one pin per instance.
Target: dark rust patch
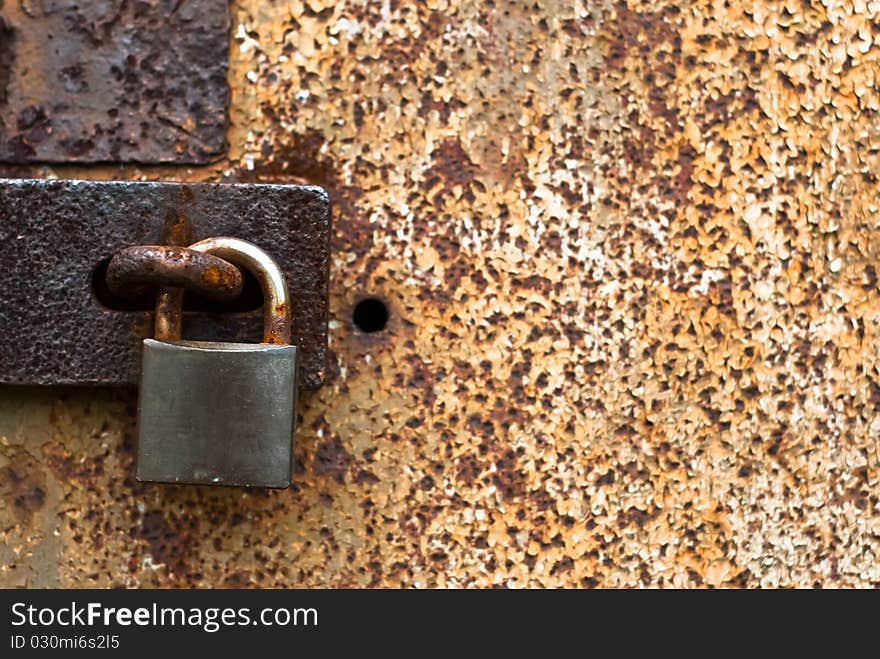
(468, 469)
(22, 484)
(7, 55)
(508, 477)
(114, 81)
(170, 543)
(452, 166)
(331, 459)
(239, 579)
(67, 467)
(423, 379)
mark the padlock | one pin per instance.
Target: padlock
(220, 413)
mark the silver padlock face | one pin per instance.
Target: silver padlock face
(217, 413)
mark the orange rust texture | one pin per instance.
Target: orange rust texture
(218, 278)
(629, 252)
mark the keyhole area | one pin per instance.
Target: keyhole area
(370, 315)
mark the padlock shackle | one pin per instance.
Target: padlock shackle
(276, 299)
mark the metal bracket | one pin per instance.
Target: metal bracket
(55, 234)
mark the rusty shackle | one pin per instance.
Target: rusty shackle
(207, 267)
(276, 299)
(133, 269)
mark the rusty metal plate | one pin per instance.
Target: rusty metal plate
(55, 234)
(113, 80)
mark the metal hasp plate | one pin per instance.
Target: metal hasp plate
(54, 234)
(217, 413)
(113, 80)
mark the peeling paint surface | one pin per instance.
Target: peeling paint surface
(628, 250)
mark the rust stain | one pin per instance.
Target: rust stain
(298, 158)
(277, 330)
(170, 544)
(177, 229)
(331, 459)
(66, 468)
(7, 57)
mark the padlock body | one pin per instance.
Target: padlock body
(217, 413)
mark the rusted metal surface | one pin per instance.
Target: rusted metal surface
(113, 80)
(53, 235)
(630, 253)
(134, 268)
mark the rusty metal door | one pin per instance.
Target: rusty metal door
(619, 268)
